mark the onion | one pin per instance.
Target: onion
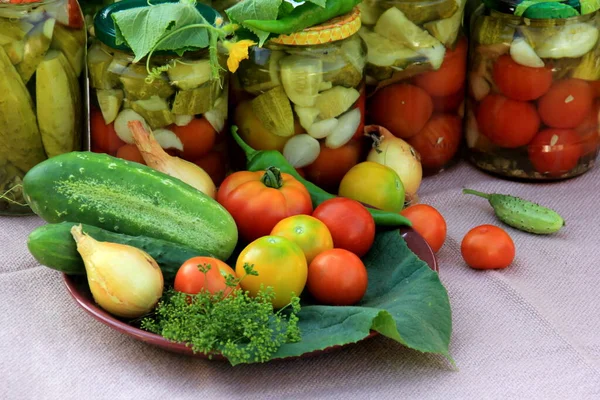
(124, 280)
(168, 139)
(322, 129)
(301, 150)
(156, 158)
(398, 155)
(122, 121)
(344, 130)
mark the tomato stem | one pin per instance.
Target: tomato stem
(272, 178)
(476, 193)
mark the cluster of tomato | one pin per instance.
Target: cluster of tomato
(556, 120)
(202, 144)
(425, 110)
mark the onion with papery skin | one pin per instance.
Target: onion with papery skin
(124, 280)
(398, 155)
(158, 159)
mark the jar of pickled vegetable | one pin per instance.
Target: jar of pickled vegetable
(42, 48)
(416, 69)
(181, 101)
(303, 94)
(534, 87)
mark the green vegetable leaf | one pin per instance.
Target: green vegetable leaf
(156, 21)
(254, 9)
(405, 301)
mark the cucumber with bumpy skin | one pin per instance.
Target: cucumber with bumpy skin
(52, 245)
(130, 198)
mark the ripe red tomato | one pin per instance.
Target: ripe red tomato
(429, 223)
(401, 108)
(566, 104)
(190, 279)
(214, 164)
(337, 277)
(519, 82)
(130, 152)
(507, 123)
(449, 103)
(555, 151)
(103, 136)
(257, 201)
(450, 77)
(351, 225)
(198, 138)
(439, 140)
(589, 130)
(331, 165)
(487, 247)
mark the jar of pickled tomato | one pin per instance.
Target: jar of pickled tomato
(185, 106)
(303, 94)
(416, 70)
(534, 89)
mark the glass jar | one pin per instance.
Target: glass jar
(42, 49)
(303, 94)
(533, 100)
(416, 70)
(185, 106)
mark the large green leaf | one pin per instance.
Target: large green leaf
(405, 301)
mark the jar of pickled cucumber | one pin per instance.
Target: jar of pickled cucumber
(42, 49)
(303, 94)
(534, 90)
(416, 69)
(184, 105)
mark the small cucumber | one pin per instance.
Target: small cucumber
(52, 245)
(522, 214)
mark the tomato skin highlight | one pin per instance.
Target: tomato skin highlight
(429, 223)
(351, 225)
(566, 104)
(487, 247)
(189, 279)
(256, 207)
(439, 140)
(402, 108)
(555, 151)
(306, 231)
(507, 123)
(280, 264)
(450, 77)
(337, 277)
(519, 82)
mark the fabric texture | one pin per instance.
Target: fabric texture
(528, 332)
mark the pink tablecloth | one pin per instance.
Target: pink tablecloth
(528, 332)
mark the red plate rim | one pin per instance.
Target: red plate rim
(83, 298)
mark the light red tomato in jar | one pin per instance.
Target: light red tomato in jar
(337, 277)
(103, 136)
(198, 138)
(191, 279)
(439, 140)
(450, 103)
(507, 123)
(429, 223)
(130, 152)
(450, 77)
(566, 104)
(214, 164)
(555, 151)
(351, 225)
(331, 165)
(487, 247)
(589, 130)
(402, 108)
(519, 82)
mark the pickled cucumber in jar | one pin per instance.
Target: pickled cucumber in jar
(533, 90)
(42, 47)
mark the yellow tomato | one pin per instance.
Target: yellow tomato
(375, 185)
(280, 264)
(309, 233)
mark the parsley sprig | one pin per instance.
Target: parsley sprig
(242, 328)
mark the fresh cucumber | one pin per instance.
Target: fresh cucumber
(52, 245)
(129, 198)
